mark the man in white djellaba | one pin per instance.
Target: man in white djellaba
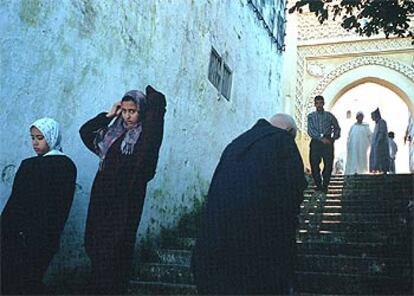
(359, 140)
(409, 138)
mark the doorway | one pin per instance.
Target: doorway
(366, 97)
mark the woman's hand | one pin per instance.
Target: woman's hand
(115, 111)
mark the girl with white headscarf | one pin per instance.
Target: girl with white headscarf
(35, 214)
(50, 133)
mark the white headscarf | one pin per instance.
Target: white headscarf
(50, 130)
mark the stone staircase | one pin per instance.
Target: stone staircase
(356, 239)
(168, 272)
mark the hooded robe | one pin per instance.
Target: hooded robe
(379, 154)
(246, 243)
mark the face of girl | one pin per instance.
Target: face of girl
(130, 113)
(39, 143)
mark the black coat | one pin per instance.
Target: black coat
(33, 220)
(118, 191)
(246, 244)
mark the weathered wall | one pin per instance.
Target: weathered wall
(71, 59)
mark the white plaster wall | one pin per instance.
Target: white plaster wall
(290, 64)
(71, 59)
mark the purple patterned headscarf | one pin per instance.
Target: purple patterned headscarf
(108, 135)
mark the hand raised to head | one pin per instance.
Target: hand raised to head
(115, 110)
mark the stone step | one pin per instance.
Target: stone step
(350, 209)
(357, 195)
(308, 282)
(393, 204)
(362, 250)
(356, 218)
(306, 235)
(355, 249)
(378, 183)
(337, 283)
(180, 243)
(167, 273)
(159, 288)
(332, 184)
(390, 181)
(355, 265)
(167, 279)
(321, 196)
(377, 194)
(380, 189)
(331, 191)
(168, 256)
(339, 226)
(370, 177)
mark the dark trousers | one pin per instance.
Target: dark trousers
(318, 152)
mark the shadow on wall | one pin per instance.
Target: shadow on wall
(7, 176)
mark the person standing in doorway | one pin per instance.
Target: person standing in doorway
(379, 157)
(128, 151)
(409, 138)
(323, 128)
(393, 151)
(359, 140)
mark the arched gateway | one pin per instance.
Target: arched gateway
(330, 61)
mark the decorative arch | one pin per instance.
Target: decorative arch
(396, 66)
(401, 93)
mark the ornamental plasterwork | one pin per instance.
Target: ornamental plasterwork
(404, 69)
(350, 48)
(357, 48)
(310, 29)
(315, 69)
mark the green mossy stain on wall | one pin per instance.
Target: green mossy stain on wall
(158, 194)
(153, 17)
(30, 12)
(88, 18)
(68, 104)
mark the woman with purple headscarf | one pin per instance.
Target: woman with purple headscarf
(127, 140)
